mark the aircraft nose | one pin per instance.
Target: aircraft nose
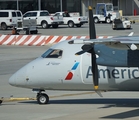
(18, 78)
(12, 80)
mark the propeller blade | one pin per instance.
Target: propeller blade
(94, 70)
(80, 53)
(99, 93)
(85, 48)
(90, 48)
(92, 32)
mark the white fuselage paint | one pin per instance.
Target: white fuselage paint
(50, 73)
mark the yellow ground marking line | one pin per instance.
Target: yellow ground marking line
(24, 99)
(16, 99)
(74, 94)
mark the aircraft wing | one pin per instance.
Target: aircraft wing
(128, 40)
(115, 42)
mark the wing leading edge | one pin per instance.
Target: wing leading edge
(128, 42)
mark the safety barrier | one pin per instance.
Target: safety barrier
(38, 40)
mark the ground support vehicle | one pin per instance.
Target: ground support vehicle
(72, 21)
(43, 18)
(29, 26)
(105, 13)
(8, 18)
(121, 23)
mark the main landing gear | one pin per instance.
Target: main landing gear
(42, 98)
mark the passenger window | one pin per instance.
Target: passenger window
(4, 14)
(19, 14)
(13, 14)
(33, 14)
(27, 15)
(57, 14)
(44, 14)
(66, 15)
(53, 53)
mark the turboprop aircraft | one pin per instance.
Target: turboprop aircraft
(109, 63)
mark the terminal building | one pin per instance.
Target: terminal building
(128, 7)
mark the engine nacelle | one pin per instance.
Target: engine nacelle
(116, 57)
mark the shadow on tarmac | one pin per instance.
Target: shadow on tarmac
(108, 103)
(123, 115)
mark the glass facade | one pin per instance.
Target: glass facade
(67, 5)
(8, 5)
(51, 5)
(28, 5)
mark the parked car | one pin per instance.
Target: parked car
(72, 21)
(8, 18)
(44, 19)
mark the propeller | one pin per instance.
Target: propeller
(90, 48)
(92, 33)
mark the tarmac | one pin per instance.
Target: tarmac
(18, 103)
(112, 106)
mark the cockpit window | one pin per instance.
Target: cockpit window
(52, 53)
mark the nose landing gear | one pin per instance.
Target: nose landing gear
(42, 98)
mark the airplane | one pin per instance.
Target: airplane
(79, 64)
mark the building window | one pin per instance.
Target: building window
(67, 5)
(74, 5)
(28, 5)
(51, 5)
(9, 5)
(115, 4)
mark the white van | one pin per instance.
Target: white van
(8, 18)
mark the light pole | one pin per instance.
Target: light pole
(61, 5)
(17, 5)
(39, 4)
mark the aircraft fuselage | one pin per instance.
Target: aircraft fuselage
(71, 72)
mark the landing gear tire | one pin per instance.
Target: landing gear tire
(42, 98)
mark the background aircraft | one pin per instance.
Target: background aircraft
(59, 68)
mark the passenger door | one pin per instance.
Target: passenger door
(30, 15)
(86, 68)
(19, 19)
(19, 15)
(43, 16)
(14, 19)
